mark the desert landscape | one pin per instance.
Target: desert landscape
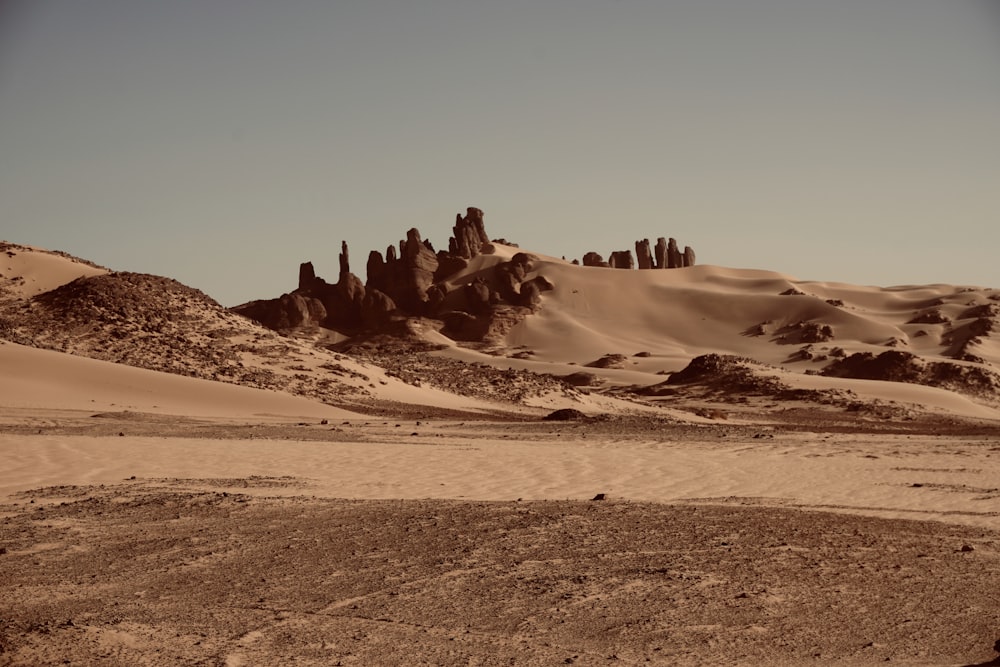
(487, 455)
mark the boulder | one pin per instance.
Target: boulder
(567, 414)
(594, 259)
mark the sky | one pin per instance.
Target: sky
(223, 142)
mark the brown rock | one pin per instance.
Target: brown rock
(661, 253)
(307, 275)
(523, 260)
(345, 259)
(376, 269)
(470, 234)
(477, 296)
(377, 309)
(621, 259)
(674, 258)
(688, 258)
(435, 296)
(287, 312)
(644, 257)
(449, 265)
(531, 295)
(594, 259)
(508, 280)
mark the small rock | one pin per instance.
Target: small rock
(600, 496)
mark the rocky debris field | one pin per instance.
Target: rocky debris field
(413, 362)
(145, 573)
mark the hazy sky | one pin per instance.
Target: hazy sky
(223, 142)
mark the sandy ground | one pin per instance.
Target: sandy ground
(365, 542)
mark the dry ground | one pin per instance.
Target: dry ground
(150, 574)
(238, 570)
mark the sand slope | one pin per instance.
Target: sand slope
(657, 321)
(27, 271)
(43, 379)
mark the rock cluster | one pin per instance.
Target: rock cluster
(664, 255)
(412, 280)
(899, 366)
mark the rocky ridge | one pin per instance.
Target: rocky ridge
(411, 280)
(160, 324)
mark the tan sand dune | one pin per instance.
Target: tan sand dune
(36, 379)
(683, 313)
(27, 271)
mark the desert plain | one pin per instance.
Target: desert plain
(284, 498)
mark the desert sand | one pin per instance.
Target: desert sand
(155, 519)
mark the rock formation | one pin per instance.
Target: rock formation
(470, 234)
(660, 254)
(688, 256)
(643, 257)
(621, 259)
(411, 280)
(674, 258)
(665, 255)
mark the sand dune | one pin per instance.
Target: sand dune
(683, 313)
(45, 380)
(27, 271)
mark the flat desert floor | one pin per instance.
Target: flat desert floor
(130, 538)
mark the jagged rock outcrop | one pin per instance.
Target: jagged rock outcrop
(411, 279)
(419, 264)
(405, 278)
(470, 234)
(664, 255)
(314, 302)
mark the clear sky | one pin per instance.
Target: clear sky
(222, 142)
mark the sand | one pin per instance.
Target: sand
(154, 519)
